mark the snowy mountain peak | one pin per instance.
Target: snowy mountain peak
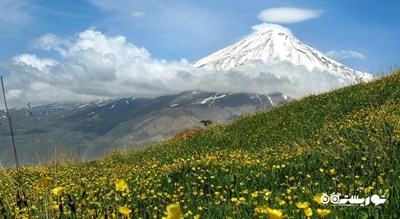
(272, 27)
(274, 44)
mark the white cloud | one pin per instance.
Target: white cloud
(33, 61)
(94, 65)
(288, 15)
(14, 94)
(258, 77)
(345, 54)
(51, 42)
(39, 86)
(268, 26)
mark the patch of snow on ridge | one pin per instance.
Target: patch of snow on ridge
(212, 99)
(102, 101)
(259, 99)
(113, 106)
(83, 105)
(270, 100)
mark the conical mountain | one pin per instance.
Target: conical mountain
(277, 44)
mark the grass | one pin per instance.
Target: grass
(259, 166)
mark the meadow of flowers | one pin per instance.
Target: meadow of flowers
(272, 164)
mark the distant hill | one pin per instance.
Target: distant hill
(88, 130)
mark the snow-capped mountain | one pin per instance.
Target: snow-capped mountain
(277, 44)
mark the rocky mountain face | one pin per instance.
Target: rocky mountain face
(87, 130)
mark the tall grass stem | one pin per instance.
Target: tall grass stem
(10, 126)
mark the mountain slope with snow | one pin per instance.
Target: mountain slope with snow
(275, 45)
(94, 128)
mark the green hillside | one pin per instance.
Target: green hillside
(271, 164)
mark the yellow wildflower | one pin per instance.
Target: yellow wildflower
(302, 204)
(120, 185)
(124, 210)
(332, 171)
(308, 212)
(368, 189)
(58, 191)
(55, 207)
(323, 212)
(318, 198)
(173, 211)
(254, 194)
(274, 213)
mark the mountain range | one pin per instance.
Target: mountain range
(92, 129)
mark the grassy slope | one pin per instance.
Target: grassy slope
(344, 141)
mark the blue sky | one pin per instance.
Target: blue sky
(361, 34)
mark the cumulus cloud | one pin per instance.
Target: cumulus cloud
(50, 42)
(92, 65)
(345, 54)
(32, 61)
(288, 15)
